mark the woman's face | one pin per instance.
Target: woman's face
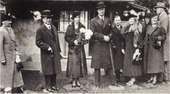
(154, 20)
(132, 21)
(76, 19)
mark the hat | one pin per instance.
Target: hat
(160, 5)
(5, 17)
(75, 13)
(131, 15)
(2, 2)
(46, 13)
(151, 15)
(100, 5)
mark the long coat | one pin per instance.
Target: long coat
(153, 58)
(163, 20)
(99, 48)
(76, 63)
(9, 76)
(118, 46)
(46, 38)
(130, 69)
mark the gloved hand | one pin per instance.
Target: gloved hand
(136, 54)
(17, 59)
(50, 49)
(3, 62)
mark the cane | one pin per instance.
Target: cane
(111, 56)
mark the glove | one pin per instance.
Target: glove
(136, 54)
(50, 49)
(17, 59)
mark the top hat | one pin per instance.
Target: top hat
(100, 5)
(5, 17)
(46, 13)
(75, 13)
(160, 5)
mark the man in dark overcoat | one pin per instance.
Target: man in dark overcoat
(101, 27)
(48, 42)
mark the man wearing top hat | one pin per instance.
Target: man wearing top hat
(101, 27)
(163, 21)
(10, 77)
(48, 42)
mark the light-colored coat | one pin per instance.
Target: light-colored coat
(9, 76)
(163, 20)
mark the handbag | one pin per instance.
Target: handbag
(19, 66)
(137, 60)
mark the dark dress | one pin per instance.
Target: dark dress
(153, 58)
(130, 69)
(76, 63)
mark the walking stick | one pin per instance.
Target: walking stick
(111, 56)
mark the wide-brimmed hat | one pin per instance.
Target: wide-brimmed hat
(100, 5)
(5, 17)
(75, 13)
(46, 13)
(131, 16)
(160, 5)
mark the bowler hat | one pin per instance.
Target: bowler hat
(46, 13)
(75, 13)
(5, 17)
(100, 5)
(160, 5)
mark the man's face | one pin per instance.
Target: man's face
(117, 20)
(47, 20)
(7, 23)
(101, 11)
(159, 10)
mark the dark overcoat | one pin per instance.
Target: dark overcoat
(99, 48)
(9, 76)
(153, 58)
(118, 43)
(76, 63)
(46, 38)
(130, 69)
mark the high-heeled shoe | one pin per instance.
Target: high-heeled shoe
(73, 84)
(150, 80)
(78, 84)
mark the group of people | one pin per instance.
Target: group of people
(135, 49)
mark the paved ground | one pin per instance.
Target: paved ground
(87, 87)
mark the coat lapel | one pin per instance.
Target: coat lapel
(151, 29)
(99, 21)
(105, 22)
(47, 31)
(11, 33)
